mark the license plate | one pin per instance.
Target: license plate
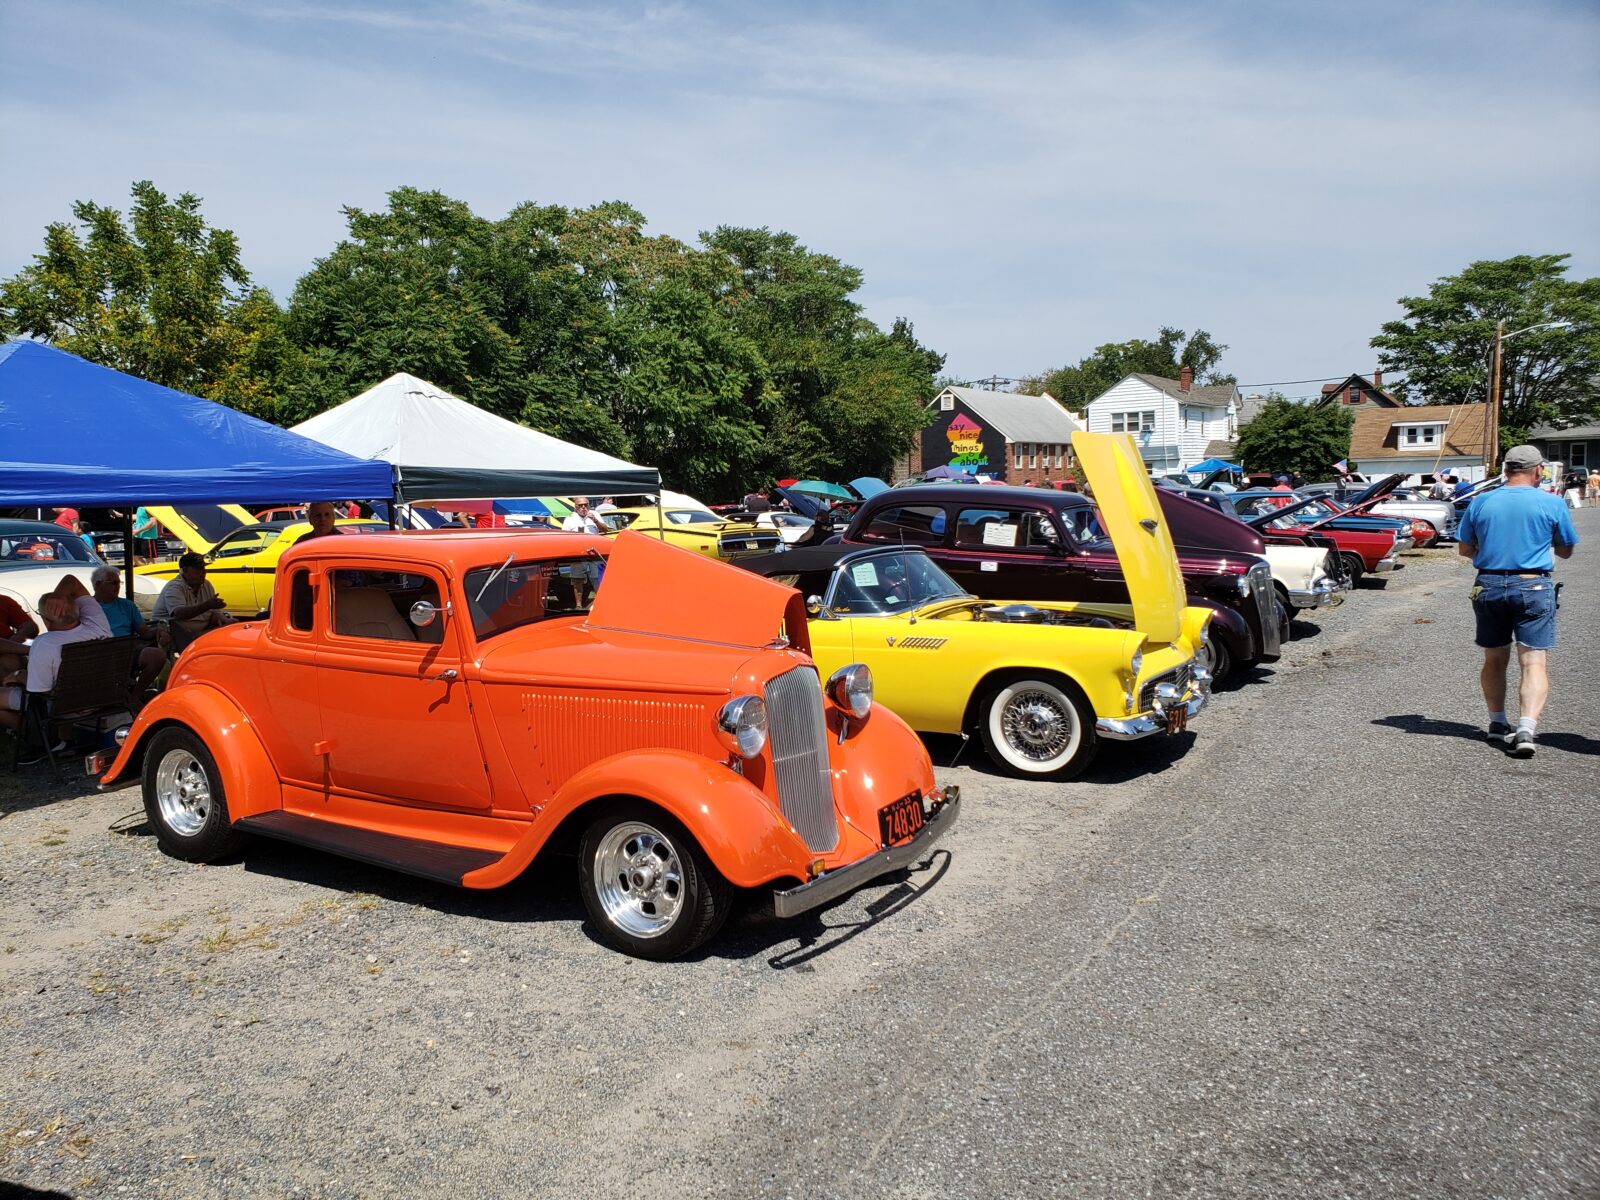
(752, 545)
(900, 821)
(1177, 718)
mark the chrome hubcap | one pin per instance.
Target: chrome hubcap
(639, 879)
(1037, 725)
(183, 793)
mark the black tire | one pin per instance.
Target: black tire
(1221, 660)
(184, 798)
(1353, 566)
(1019, 713)
(637, 902)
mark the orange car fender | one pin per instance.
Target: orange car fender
(882, 759)
(737, 826)
(249, 780)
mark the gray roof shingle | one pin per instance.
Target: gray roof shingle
(1218, 395)
(1020, 418)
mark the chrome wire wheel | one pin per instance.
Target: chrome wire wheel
(183, 792)
(1038, 729)
(638, 879)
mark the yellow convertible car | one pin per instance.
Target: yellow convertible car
(243, 563)
(1042, 683)
(696, 529)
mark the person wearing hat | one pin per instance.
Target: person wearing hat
(1513, 535)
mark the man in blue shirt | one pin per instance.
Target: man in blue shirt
(125, 620)
(1513, 535)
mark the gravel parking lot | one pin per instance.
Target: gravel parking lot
(1327, 943)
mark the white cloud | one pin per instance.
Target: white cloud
(1022, 190)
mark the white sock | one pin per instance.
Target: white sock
(1528, 723)
(1498, 716)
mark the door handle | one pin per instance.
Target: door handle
(449, 676)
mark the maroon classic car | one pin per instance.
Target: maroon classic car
(1067, 556)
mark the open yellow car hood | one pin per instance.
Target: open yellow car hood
(224, 519)
(1132, 516)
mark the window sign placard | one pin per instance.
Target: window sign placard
(999, 534)
(864, 575)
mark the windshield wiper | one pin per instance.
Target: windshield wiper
(499, 571)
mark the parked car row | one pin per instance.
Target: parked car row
(465, 706)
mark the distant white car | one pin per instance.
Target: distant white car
(36, 556)
(791, 527)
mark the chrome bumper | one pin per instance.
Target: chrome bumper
(1131, 729)
(796, 900)
(1317, 597)
(1385, 565)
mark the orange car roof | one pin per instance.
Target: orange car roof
(458, 549)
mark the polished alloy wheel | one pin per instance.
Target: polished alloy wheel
(1038, 725)
(183, 792)
(638, 879)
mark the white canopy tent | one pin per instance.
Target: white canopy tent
(445, 448)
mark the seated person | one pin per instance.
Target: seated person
(16, 627)
(125, 620)
(70, 615)
(189, 603)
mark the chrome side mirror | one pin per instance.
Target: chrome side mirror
(423, 614)
(814, 605)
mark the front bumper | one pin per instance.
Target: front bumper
(796, 900)
(1385, 565)
(1322, 596)
(1131, 729)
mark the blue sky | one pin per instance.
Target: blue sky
(1022, 181)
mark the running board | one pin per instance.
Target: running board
(431, 860)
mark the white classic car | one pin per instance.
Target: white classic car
(36, 556)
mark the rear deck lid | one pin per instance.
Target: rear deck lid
(1132, 515)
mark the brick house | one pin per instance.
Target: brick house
(1001, 435)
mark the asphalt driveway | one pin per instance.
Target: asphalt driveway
(1328, 943)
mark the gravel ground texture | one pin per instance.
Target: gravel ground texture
(1329, 942)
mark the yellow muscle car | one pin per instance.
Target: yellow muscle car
(243, 564)
(696, 529)
(1042, 683)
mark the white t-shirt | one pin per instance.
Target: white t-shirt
(576, 524)
(44, 657)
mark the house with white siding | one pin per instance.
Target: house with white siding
(1173, 421)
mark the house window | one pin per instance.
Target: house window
(1061, 455)
(946, 403)
(1133, 422)
(1033, 454)
(1354, 396)
(1578, 454)
(1022, 452)
(1421, 435)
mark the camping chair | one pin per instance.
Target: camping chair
(91, 684)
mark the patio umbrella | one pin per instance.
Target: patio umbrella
(815, 487)
(946, 473)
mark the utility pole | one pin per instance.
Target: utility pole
(1491, 432)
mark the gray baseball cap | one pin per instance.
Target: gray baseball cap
(1523, 458)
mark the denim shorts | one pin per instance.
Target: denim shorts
(1511, 605)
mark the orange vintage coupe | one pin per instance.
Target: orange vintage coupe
(453, 705)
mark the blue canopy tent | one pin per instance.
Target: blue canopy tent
(75, 433)
(1213, 464)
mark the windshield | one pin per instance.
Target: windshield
(692, 516)
(502, 597)
(249, 540)
(29, 549)
(889, 583)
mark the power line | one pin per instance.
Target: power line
(1292, 382)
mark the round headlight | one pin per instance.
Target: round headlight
(1136, 663)
(742, 725)
(850, 689)
(1205, 633)
(1244, 585)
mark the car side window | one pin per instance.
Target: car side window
(1006, 529)
(914, 524)
(302, 607)
(377, 605)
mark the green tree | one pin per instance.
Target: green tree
(160, 295)
(1170, 352)
(849, 397)
(1296, 439)
(1445, 342)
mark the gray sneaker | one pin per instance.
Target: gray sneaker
(1522, 743)
(1499, 733)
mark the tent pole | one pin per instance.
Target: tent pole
(127, 553)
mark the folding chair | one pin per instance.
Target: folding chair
(91, 684)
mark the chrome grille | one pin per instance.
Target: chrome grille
(799, 739)
(1267, 606)
(1182, 677)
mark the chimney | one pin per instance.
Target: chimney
(1185, 378)
(1377, 378)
